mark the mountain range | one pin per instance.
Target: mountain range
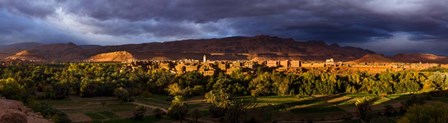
(230, 48)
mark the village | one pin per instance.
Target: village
(210, 67)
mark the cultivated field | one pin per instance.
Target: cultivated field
(319, 108)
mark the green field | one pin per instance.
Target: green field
(111, 110)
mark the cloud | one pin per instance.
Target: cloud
(402, 42)
(119, 22)
(14, 29)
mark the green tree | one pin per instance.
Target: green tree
(123, 94)
(11, 89)
(175, 90)
(238, 109)
(220, 102)
(178, 109)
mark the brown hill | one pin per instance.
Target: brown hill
(421, 57)
(241, 48)
(3, 56)
(373, 58)
(61, 52)
(118, 56)
(232, 48)
(26, 55)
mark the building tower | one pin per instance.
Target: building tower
(204, 59)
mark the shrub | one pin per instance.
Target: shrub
(49, 112)
(123, 94)
(158, 113)
(139, 112)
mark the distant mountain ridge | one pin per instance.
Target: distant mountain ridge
(374, 58)
(230, 48)
(420, 57)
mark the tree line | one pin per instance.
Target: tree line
(90, 80)
(26, 82)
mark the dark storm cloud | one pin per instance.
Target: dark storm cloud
(350, 22)
(14, 29)
(37, 8)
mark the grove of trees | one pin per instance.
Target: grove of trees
(56, 81)
(89, 80)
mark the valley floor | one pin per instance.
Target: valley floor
(318, 108)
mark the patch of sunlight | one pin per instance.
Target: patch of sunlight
(339, 99)
(306, 105)
(395, 96)
(380, 101)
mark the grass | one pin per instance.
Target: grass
(442, 99)
(120, 107)
(193, 106)
(95, 116)
(108, 114)
(317, 109)
(286, 103)
(148, 119)
(102, 115)
(154, 99)
(355, 95)
(92, 107)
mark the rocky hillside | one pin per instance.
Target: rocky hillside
(12, 111)
(118, 56)
(232, 48)
(421, 57)
(373, 58)
(26, 55)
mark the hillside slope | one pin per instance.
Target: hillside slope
(373, 58)
(26, 55)
(234, 48)
(421, 57)
(118, 56)
(231, 48)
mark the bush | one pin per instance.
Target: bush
(60, 117)
(139, 112)
(49, 112)
(158, 113)
(123, 94)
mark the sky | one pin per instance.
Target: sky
(383, 26)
